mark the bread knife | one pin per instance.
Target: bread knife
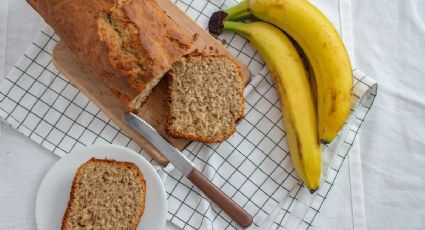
(186, 167)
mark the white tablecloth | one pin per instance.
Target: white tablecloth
(388, 40)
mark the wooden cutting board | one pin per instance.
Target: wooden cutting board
(154, 110)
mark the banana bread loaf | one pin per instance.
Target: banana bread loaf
(129, 44)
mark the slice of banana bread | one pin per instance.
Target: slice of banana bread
(106, 194)
(205, 98)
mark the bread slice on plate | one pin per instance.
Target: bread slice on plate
(106, 194)
(205, 98)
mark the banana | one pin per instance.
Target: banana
(288, 71)
(323, 47)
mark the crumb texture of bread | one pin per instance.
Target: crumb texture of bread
(106, 194)
(129, 44)
(205, 98)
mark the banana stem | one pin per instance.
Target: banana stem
(238, 27)
(242, 16)
(234, 12)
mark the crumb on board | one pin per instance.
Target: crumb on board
(195, 36)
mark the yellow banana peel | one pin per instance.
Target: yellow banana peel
(288, 71)
(323, 47)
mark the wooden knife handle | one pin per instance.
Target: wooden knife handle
(230, 207)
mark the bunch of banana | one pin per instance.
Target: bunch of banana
(307, 123)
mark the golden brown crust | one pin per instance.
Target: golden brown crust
(71, 199)
(109, 161)
(204, 139)
(148, 40)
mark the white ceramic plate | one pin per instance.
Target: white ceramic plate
(53, 195)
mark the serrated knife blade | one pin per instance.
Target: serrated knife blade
(181, 163)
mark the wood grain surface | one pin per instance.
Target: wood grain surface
(154, 110)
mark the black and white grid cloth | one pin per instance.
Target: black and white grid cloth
(253, 166)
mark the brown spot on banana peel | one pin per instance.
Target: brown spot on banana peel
(276, 5)
(325, 142)
(299, 145)
(333, 101)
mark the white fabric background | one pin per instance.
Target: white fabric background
(389, 39)
(389, 45)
